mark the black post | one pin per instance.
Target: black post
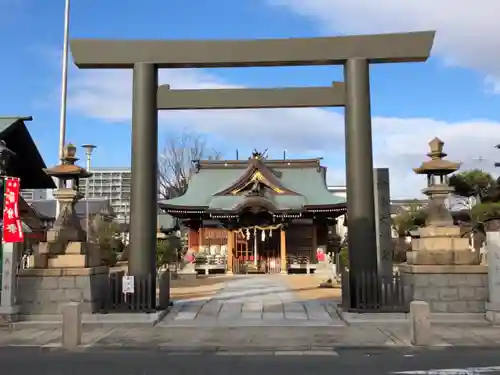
(143, 205)
(359, 169)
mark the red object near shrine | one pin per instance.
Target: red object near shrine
(12, 227)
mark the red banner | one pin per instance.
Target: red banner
(12, 227)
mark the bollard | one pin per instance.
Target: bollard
(72, 326)
(420, 324)
(164, 289)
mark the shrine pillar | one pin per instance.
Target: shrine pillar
(200, 240)
(230, 249)
(283, 251)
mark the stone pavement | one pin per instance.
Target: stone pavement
(251, 339)
(253, 314)
(245, 301)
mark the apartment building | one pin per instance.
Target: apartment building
(34, 194)
(113, 184)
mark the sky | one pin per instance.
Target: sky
(455, 95)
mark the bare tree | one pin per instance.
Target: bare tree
(177, 161)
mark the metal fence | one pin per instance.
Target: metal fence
(144, 298)
(366, 291)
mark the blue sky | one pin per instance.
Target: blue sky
(451, 96)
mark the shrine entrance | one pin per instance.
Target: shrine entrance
(257, 250)
(355, 53)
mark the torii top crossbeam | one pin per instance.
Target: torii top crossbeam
(380, 48)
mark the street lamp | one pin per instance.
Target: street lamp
(6, 154)
(88, 153)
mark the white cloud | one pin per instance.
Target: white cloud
(399, 143)
(468, 32)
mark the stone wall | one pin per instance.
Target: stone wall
(448, 289)
(45, 291)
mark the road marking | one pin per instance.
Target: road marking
(331, 353)
(452, 371)
(235, 353)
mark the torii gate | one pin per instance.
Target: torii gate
(355, 53)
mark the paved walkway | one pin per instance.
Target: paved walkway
(253, 301)
(256, 338)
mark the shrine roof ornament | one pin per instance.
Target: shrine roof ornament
(257, 173)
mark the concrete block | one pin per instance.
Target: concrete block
(72, 326)
(66, 282)
(68, 261)
(75, 248)
(436, 280)
(457, 307)
(466, 292)
(431, 231)
(420, 325)
(476, 306)
(448, 294)
(443, 257)
(50, 283)
(438, 307)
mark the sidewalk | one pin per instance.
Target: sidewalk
(253, 338)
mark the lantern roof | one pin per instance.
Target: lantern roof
(437, 165)
(68, 169)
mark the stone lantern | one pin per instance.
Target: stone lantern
(440, 241)
(66, 245)
(65, 268)
(441, 269)
(438, 189)
(67, 227)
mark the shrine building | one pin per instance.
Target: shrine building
(258, 214)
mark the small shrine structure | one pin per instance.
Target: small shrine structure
(441, 268)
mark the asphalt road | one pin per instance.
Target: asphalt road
(28, 361)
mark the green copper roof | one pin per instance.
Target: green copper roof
(309, 183)
(166, 222)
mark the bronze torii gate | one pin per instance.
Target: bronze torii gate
(355, 53)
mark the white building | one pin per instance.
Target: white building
(35, 194)
(339, 191)
(114, 184)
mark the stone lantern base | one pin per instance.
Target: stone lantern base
(448, 288)
(444, 272)
(75, 255)
(46, 291)
(56, 279)
(441, 246)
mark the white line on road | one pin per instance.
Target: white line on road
(452, 371)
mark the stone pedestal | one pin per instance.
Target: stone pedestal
(493, 303)
(9, 309)
(47, 291)
(441, 246)
(76, 255)
(448, 288)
